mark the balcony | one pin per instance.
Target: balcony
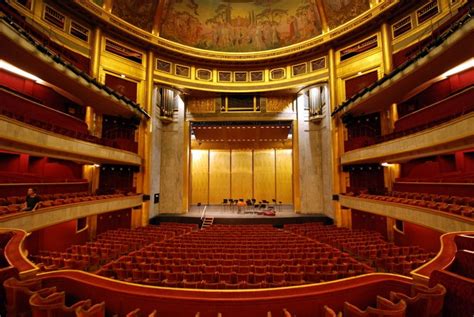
(450, 136)
(431, 218)
(18, 136)
(42, 218)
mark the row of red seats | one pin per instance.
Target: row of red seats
(367, 247)
(237, 254)
(29, 298)
(466, 210)
(91, 255)
(421, 302)
(449, 199)
(236, 274)
(343, 264)
(15, 203)
(14, 200)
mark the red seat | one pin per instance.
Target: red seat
(54, 305)
(328, 312)
(98, 310)
(384, 308)
(18, 294)
(424, 302)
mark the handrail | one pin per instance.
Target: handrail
(203, 214)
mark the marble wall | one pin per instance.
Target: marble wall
(173, 156)
(155, 162)
(314, 145)
(327, 160)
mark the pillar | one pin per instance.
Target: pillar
(296, 167)
(337, 136)
(94, 119)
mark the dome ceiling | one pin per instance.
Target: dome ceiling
(238, 25)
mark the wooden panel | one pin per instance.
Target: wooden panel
(199, 176)
(242, 175)
(264, 174)
(284, 176)
(219, 176)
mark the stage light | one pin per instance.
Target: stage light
(385, 164)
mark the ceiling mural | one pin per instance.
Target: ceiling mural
(341, 11)
(239, 25)
(140, 13)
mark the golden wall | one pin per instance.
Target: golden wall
(199, 176)
(284, 175)
(242, 174)
(264, 174)
(259, 174)
(219, 176)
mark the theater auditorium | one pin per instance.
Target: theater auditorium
(236, 158)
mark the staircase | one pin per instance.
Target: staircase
(207, 222)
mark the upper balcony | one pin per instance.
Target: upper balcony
(19, 136)
(26, 52)
(442, 54)
(450, 136)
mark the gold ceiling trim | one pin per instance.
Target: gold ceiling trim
(241, 56)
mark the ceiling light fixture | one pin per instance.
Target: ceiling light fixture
(12, 69)
(460, 68)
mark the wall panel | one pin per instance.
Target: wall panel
(199, 176)
(242, 175)
(219, 176)
(284, 176)
(259, 174)
(264, 175)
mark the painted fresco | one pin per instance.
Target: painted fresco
(240, 25)
(140, 13)
(340, 11)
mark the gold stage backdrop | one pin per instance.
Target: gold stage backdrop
(259, 174)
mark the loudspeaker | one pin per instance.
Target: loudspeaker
(146, 197)
(156, 198)
(335, 197)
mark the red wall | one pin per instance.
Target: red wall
(405, 54)
(366, 221)
(113, 220)
(447, 166)
(366, 177)
(41, 167)
(122, 86)
(354, 85)
(424, 237)
(43, 94)
(56, 238)
(436, 92)
(116, 177)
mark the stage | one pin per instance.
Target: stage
(231, 215)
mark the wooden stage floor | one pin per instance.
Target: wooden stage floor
(227, 215)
